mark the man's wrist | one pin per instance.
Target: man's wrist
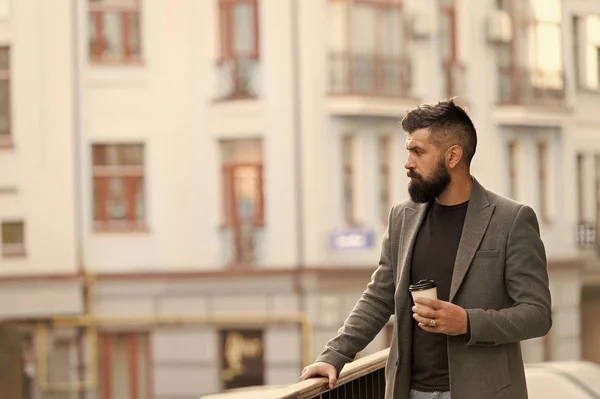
(467, 327)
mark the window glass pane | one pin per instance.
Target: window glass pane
(117, 200)
(547, 54)
(120, 367)
(98, 205)
(93, 41)
(4, 107)
(143, 366)
(140, 208)
(4, 58)
(445, 36)
(98, 154)
(13, 233)
(363, 29)
(243, 29)
(542, 10)
(246, 193)
(130, 155)
(337, 26)
(134, 34)
(112, 155)
(592, 52)
(390, 25)
(112, 29)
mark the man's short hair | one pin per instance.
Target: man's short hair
(449, 125)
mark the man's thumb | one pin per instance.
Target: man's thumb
(332, 378)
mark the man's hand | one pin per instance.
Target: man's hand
(320, 369)
(450, 319)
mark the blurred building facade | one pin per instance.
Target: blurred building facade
(192, 196)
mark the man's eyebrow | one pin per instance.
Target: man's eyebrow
(413, 148)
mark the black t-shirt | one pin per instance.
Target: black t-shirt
(433, 258)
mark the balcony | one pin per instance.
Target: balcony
(238, 78)
(369, 75)
(242, 246)
(369, 85)
(521, 86)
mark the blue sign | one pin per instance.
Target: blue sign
(351, 239)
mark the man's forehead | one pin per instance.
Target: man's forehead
(419, 137)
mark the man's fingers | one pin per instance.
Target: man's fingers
(421, 319)
(432, 303)
(425, 312)
(321, 369)
(307, 373)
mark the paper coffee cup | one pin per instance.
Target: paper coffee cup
(423, 289)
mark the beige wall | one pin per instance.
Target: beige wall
(41, 166)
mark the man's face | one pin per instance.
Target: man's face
(426, 168)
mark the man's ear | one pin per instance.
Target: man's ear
(454, 155)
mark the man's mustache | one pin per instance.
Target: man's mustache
(412, 174)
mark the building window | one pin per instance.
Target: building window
(368, 53)
(239, 48)
(385, 157)
(13, 239)
(544, 191)
(530, 66)
(453, 69)
(119, 199)
(125, 366)
(5, 131)
(243, 195)
(513, 176)
(114, 31)
(586, 42)
(348, 179)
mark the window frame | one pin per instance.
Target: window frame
(131, 176)
(96, 49)
(105, 366)
(21, 251)
(227, 30)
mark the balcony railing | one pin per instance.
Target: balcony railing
(242, 245)
(238, 78)
(363, 378)
(585, 235)
(370, 75)
(530, 86)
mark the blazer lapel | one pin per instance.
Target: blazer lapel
(413, 217)
(477, 219)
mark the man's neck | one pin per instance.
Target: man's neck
(458, 192)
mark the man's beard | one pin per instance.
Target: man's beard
(426, 190)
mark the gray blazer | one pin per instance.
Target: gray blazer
(500, 277)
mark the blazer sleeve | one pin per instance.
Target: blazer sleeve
(371, 312)
(526, 281)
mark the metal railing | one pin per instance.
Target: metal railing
(238, 78)
(530, 86)
(242, 245)
(363, 378)
(585, 235)
(372, 75)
